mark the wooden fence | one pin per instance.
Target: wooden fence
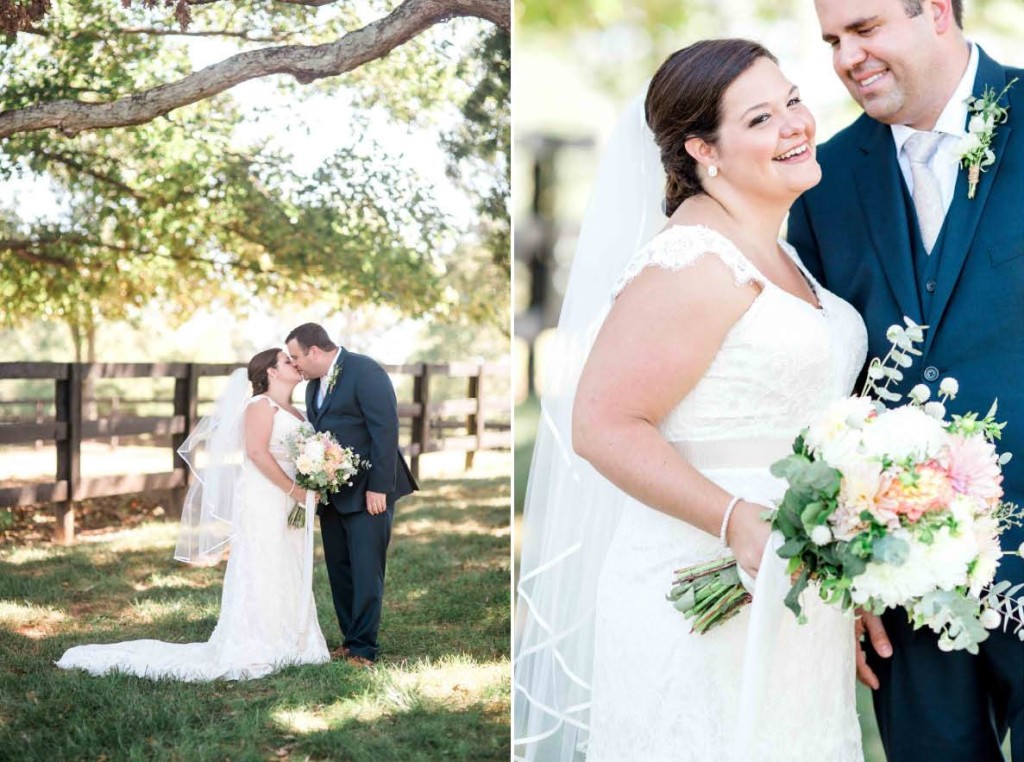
(466, 424)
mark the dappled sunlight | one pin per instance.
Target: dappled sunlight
(28, 555)
(180, 609)
(455, 682)
(171, 581)
(362, 708)
(488, 464)
(422, 528)
(150, 536)
(300, 721)
(29, 620)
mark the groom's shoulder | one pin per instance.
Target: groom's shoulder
(843, 147)
(357, 361)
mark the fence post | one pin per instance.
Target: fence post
(39, 419)
(186, 405)
(421, 423)
(475, 421)
(68, 404)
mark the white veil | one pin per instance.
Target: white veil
(571, 510)
(214, 452)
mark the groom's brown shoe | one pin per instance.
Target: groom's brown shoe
(341, 652)
(359, 661)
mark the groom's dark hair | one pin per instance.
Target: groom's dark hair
(913, 8)
(312, 335)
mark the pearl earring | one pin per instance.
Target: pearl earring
(712, 171)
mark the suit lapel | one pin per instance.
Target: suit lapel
(880, 190)
(340, 365)
(964, 214)
(312, 412)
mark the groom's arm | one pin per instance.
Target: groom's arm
(375, 396)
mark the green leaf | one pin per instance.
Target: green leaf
(792, 599)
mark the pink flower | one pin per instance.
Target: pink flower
(930, 490)
(974, 468)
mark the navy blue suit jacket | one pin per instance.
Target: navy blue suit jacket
(362, 412)
(854, 233)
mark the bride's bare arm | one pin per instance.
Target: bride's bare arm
(259, 423)
(658, 340)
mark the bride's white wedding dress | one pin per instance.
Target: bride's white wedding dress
(261, 627)
(660, 693)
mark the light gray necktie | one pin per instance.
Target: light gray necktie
(321, 392)
(920, 147)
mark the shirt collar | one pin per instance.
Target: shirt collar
(953, 119)
(334, 362)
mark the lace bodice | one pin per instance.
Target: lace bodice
(285, 424)
(783, 360)
(662, 693)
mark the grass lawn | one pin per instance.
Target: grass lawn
(439, 692)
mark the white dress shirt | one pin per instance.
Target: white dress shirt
(952, 123)
(322, 391)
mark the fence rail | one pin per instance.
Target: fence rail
(466, 424)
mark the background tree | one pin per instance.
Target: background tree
(178, 209)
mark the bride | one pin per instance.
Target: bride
(713, 348)
(241, 497)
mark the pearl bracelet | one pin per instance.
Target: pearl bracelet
(725, 520)
(289, 493)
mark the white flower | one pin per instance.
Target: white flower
(904, 432)
(986, 538)
(968, 143)
(942, 565)
(314, 450)
(936, 410)
(920, 394)
(835, 433)
(949, 387)
(303, 464)
(978, 123)
(945, 643)
(1020, 550)
(821, 535)
(990, 619)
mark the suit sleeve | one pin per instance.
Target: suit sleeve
(801, 235)
(375, 396)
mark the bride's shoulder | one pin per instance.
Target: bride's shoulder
(264, 401)
(680, 247)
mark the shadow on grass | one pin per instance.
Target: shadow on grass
(446, 603)
(424, 731)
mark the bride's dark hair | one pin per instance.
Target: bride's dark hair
(684, 101)
(258, 367)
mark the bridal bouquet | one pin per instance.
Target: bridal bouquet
(893, 507)
(321, 464)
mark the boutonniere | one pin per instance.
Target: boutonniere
(332, 378)
(973, 149)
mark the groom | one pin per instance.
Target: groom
(891, 229)
(352, 397)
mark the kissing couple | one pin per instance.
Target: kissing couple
(242, 493)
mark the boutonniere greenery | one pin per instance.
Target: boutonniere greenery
(974, 149)
(332, 378)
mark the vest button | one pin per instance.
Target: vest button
(931, 373)
(930, 287)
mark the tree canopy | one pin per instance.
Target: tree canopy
(160, 199)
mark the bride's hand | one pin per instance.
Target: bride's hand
(747, 535)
